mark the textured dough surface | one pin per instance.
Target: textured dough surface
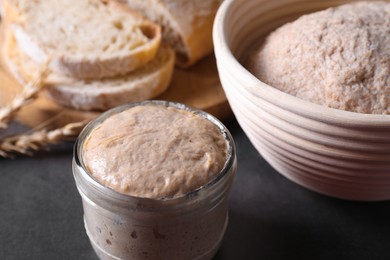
(155, 152)
(339, 57)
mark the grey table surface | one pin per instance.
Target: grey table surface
(270, 216)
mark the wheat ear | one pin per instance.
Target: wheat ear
(27, 143)
(29, 93)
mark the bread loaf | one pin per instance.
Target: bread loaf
(187, 25)
(85, 39)
(101, 94)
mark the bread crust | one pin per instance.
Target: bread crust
(192, 21)
(84, 65)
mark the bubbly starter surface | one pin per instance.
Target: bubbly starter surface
(155, 152)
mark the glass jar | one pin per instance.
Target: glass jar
(121, 226)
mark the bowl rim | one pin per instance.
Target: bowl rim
(278, 97)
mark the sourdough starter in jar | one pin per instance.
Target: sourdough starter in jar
(154, 178)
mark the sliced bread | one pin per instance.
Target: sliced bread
(84, 39)
(143, 83)
(187, 25)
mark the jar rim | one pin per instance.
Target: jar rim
(78, 151)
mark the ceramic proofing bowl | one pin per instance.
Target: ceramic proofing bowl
(334, 152)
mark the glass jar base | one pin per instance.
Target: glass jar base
(104, 255)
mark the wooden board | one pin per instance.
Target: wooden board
(198, 86)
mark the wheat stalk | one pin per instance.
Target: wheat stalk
(36, 139)
(27, 143)
(29, 93)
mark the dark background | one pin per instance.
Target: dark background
(270, 216)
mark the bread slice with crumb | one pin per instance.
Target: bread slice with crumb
(143, 83)
(187, 25)
(85, 39)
